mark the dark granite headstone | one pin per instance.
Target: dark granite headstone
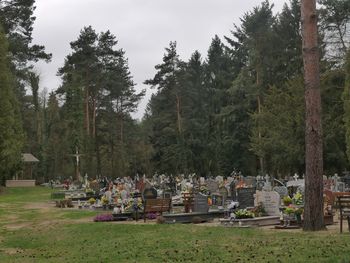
(245, 197)
(149, 193)
(200, 203)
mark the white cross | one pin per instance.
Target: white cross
(77, 156)
(267, 177)
(296, 176)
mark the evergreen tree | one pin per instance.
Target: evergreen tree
(346, 99)
(166, 108)
(11, 136)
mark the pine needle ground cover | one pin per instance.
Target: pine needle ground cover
(30, 232)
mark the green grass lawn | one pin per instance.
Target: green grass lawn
(54, 235)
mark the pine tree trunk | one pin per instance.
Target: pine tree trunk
(313, 210)
(94, 119)
(178, 114)
(87, 117)
(261, 159)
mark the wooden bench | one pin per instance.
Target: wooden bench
(156, 206)
(343, 203)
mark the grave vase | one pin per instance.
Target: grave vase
(298, 218)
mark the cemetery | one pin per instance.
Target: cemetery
(235, 201)
(235, 210)
(174, 131)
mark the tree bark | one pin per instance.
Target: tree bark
(94, 118)
(178, 114)
(87, 117)
(313, 209)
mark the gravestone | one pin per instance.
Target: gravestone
(245, 197)
(250, 181)
(219, 179)
(260, 182)
(270, 200)
(149, 193)
(267, 184)
(200, 203)
(281, 190)
(340, 187)
(224, 193)
(212, 186)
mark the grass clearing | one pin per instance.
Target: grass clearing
(66, 239)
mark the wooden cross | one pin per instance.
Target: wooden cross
(77, 161)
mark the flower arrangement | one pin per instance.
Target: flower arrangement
(104, 200)
(259, 210)
(243, 213)
(103, 218)
(289, 210)
(134, 204)
(92, 201)
(151, 215)
(298, 198)
(287, 200)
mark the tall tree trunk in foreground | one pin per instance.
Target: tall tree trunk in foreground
(313, 210)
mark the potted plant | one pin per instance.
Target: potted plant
(288, 215)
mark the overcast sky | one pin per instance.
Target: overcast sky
(143, 28)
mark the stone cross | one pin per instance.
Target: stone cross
(267, 177)
(296, 176)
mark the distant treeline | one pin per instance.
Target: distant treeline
(239, 107)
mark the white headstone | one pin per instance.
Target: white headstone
(270, 200)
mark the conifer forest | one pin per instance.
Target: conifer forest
(238, 107)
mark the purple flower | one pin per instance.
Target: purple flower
(151, 215)
(103, 218)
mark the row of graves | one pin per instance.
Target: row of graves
(235, 200)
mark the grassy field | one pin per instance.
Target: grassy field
(33, 231)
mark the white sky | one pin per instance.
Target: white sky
(143, 28)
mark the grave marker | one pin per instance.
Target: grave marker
(149, 193)
(245, 197)
(270, 200)
(200, 203)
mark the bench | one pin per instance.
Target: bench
(157, 206)
(343, 203)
